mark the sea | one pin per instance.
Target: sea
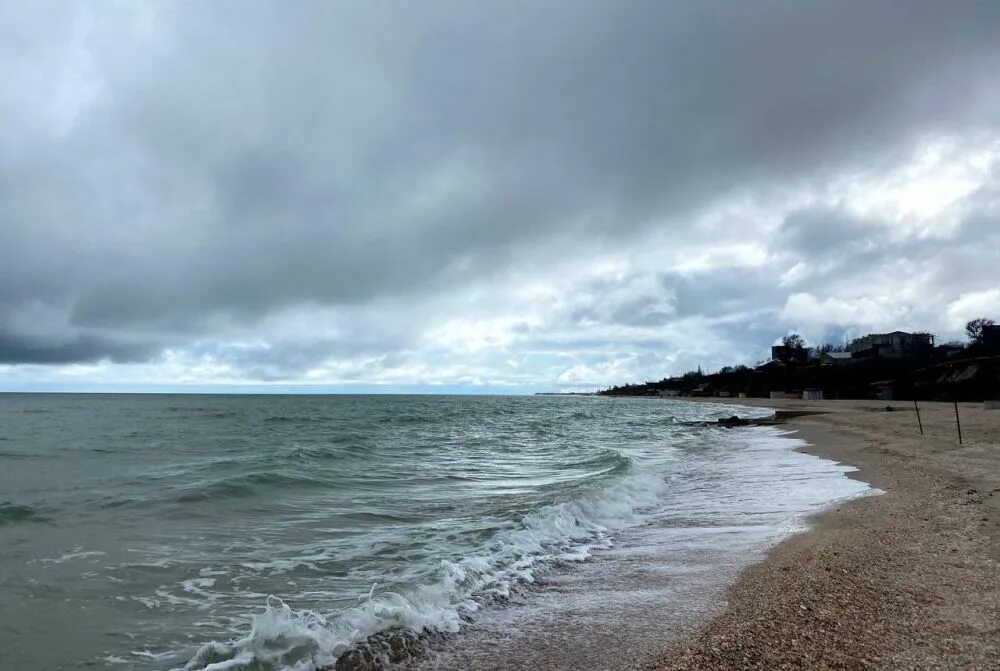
(267, 532)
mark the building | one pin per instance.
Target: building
(773, 364)
(991, 337)
(948, 351)
(895, 345)
(786, 354)
(834, 358)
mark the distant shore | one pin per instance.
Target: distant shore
(906, 580)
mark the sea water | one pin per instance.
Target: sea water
(287, 532)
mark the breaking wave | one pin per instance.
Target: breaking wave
(387, 621)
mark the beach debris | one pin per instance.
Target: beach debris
(733, 421)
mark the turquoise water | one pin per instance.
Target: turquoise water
(272, 532)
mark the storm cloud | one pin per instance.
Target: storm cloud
(546, 194)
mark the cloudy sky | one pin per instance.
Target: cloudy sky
(484, 196)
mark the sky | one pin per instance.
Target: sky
(484, 196)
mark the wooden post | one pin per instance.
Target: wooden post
(958, 424)
(919, 423)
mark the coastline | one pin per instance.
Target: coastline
(907, 579)
(663, 578)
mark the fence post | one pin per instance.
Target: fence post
(919, 423)
(958, 424)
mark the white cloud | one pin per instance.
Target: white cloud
(971, 306)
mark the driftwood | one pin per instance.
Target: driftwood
(779, 417)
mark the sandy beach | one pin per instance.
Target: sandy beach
(905, 580)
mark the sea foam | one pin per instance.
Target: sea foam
(282, 637)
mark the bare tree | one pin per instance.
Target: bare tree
(793, 341)
(974, 329)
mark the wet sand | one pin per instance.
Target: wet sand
(906, 580)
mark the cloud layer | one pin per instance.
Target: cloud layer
(559, 194)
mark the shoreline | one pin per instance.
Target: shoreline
(660, 579)
(906, 579)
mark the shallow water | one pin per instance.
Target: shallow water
(270, 532)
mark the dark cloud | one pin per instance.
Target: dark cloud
(170, 169)
(726, 291)
(19, 349)
(824, 232)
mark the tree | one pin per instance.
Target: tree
(793, 341)
(974, 329)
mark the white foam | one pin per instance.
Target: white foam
(112, 659)
(76, 553)
(304, 640)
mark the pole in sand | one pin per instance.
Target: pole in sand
(919, 423)
(958, 424)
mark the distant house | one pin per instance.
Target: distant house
(948, 350)
(895, 345)
(812, 394)
(780, 395)
(770, 365)
(991, 337)
(786, 354)
(834, 358)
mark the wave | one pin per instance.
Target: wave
(206, 490)
(295, 419)
(12, 513)
(607, 461)
(411, 418)
(243, 485)
(201, 411)
(386, 621)
(14, 454)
